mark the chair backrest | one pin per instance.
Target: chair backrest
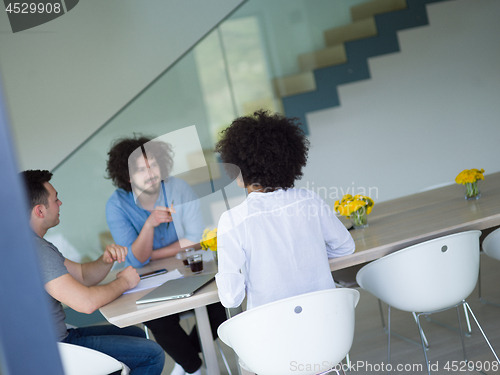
(305, 334)
(491, 244)
(426, 277)
(78, 360)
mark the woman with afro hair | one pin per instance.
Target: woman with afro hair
(277, 243)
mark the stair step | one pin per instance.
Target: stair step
(363, 26)
(369, 9)
(295, 84)
(357, 30)
(330, 56)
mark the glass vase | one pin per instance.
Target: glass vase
(472, 191)
(214, 253)
(359, 219)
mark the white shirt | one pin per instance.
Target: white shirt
(281, 242)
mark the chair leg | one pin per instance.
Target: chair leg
(389, 335)
(423, 334)
(348, 361)
(467, 320)
(223, 357)
(423, 344)
(397, 334)
(467, 306)
(146, 330)
(461, 333)
(482, 332)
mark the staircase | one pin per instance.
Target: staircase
(345, 60)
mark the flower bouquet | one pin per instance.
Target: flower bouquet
(469, 178)
(209, 241)
(357, 208)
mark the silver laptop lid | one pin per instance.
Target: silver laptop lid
(177, 288)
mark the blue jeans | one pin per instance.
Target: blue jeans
(128, 345)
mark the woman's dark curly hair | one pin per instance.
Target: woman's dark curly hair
(124, 153)
(269, 149)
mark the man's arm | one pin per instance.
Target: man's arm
(84, 299)
(142, 247)
(94, 272)
(140, 240)
(191, 227)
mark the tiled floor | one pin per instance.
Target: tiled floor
(370, 341)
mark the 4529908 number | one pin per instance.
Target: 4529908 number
(457, 366)
(33, 8)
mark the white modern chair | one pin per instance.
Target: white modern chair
(491, 247)
(428, 277)
(78, 360)
(306, 334)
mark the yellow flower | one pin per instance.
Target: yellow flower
(209, 239)
(468, 176)
(350, 204)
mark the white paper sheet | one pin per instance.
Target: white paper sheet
(154, 281)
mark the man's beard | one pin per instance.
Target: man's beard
(151, 189)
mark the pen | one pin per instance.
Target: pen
(165, 197)
(170, 206)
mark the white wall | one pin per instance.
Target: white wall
(66, 78)
(426, 114)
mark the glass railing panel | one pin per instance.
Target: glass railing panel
(228, 74)
(173, 102)
(291, 28)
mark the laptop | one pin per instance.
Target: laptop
(177, 288)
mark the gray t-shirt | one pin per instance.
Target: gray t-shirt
(52, 267)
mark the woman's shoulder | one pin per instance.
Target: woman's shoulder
(298, 194)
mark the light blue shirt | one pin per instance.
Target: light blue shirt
(126, 218)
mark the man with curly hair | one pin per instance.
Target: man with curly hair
(276, 244)
(139, 216)
(75, 285)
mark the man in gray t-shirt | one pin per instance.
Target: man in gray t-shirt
(75, 285)
(52, 267)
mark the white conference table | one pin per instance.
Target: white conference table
(124, 312)
(393, 225)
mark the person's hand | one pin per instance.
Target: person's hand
(160, 215)
(130, 275)
(114, 253)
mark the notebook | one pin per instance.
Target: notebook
(175, 289)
